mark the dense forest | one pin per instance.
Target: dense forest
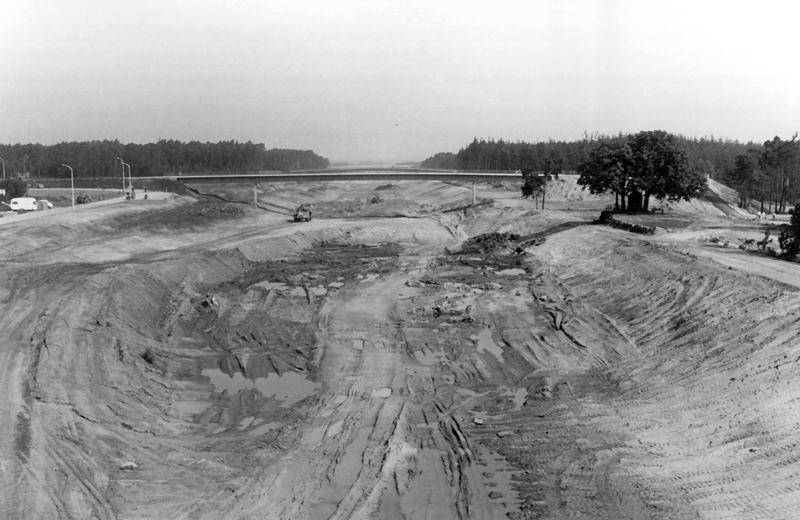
(166, 157)
(769, 175)
(711, 155)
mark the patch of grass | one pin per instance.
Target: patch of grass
(184, 216)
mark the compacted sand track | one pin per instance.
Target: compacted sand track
(199, 360)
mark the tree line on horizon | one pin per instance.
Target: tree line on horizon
(714, 156)
(165, 157)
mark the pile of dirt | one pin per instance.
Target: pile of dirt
(490, 243)
(609, 219)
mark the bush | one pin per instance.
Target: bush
(789, 239)
(14, 188)
(790, 246)
(764, 243)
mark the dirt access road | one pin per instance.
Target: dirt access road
(400, 357)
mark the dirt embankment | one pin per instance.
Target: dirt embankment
(217, 361)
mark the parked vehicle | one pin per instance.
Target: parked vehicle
(23, 204)
(83, 199)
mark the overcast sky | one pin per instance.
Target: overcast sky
(389, 81)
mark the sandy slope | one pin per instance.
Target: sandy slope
(190, 359)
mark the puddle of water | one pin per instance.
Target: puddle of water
(370, 277)
(429, 357)
(519, 395)
(271, 285)
(247, 421)
(297, 291)
(511, 272)
(486, 343)
(289, 387)
(293, 291)
(340, 399)
(334, 429)
(264, 428)
(383, 392)
(336, 285)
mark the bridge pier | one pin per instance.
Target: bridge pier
(255, 193)
(474, 198)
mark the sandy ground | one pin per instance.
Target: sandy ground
(403, 355)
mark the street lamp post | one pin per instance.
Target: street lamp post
(123, 173)
(72, 180)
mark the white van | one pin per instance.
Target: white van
(23, 203)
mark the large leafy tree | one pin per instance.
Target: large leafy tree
(650, 164)
(608, 169)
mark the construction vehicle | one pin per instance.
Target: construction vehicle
(303, 213)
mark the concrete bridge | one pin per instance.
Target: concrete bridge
(350, 174)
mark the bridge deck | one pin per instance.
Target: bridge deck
(397, 175)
